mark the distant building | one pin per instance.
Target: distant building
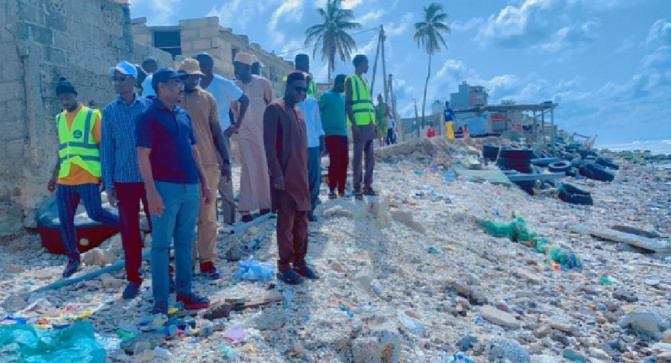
(193, 36)
(469, 96)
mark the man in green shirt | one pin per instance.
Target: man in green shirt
(334, 123)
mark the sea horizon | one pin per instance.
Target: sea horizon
(655, 146)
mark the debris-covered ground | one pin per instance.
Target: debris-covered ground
(407, 275)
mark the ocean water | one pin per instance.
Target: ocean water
(656, 147)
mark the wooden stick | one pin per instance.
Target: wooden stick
(244, 226)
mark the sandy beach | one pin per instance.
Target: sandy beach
(409, 275)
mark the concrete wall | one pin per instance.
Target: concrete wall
(49, 39)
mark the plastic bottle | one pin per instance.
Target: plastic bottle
(163, 353)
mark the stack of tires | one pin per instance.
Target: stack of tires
(570, 194)
(515, 159)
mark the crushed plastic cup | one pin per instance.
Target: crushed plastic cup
(367, 308)
(234, 334)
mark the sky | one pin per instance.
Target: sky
(607, 63)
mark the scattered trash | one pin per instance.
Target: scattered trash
(432, 250)
(516, 230)
(253, 270)
(234, 334)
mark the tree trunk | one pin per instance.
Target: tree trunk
(426, 85)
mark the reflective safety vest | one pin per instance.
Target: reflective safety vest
(77, 144)
(362, 105)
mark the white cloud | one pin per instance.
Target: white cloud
(660, 31)
(351, 4)
(393, 29)
(163, 10)
(239, 13)
(472, 23)
(626, 45)
(370, 17)
(571, 37)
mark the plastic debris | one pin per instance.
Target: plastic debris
(234, 334)
(76, 343)
(253, 270)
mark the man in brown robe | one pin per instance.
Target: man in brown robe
(285, 139)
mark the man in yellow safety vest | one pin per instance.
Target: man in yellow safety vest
(361, 117)
(78, 171)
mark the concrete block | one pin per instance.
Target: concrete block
(202, 44)
(13, 129)
(12, 92)
(194, 23)
(56, 22)
(37, 33)
(15, 149)
(12, 69)
(213, 20)
(31, 14)
(187, 47)
(189, 34)
(55, 55)
(209, 32)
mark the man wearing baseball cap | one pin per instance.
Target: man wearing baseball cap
(202, 107)
(121, 174)
(174, 178)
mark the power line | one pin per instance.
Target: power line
(311, 46)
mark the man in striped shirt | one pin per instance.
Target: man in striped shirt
(121, 174)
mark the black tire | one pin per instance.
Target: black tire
(516, 154)
(607, 162)
(490, 152)
(514, 164)
(571, 194)
(596, 172)
(560, 166)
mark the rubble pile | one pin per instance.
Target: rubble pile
(407, 276)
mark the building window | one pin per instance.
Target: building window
(234, 52)
(169, 41)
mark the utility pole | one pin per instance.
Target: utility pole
(399, 126)
(383, 38)
(416, 118)
(377, 54)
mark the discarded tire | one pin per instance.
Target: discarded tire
(561, 166)
(490, 152)
(596, 172)
(607, 162)
(523, 166)
(571, 194)
(516, 154)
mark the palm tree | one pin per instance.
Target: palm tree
(332, 35)
(429, 36)
(508, 102)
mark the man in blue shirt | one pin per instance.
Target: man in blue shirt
(313, 123)
(121, 175)
(172, 172)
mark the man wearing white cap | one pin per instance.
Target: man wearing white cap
(121, 175)
(254, 179)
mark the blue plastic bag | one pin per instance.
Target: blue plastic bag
(253, 270)
(77, 343)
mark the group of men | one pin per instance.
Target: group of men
(169, 152)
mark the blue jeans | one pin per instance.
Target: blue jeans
(68, 197)
(314, 173)
(178, 223)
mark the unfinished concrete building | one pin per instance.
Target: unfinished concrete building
(41, 41)
(193, 36)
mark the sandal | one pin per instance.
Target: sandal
(290, 277)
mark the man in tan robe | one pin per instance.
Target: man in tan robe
(254, 180)
(202, 108)
(286, 143)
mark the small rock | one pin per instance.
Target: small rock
(269, 321)
(377, 344)
(153, 340)
(544, 359)
(510, 350)
(364, 277)
(234, 253)
(14, 303)
(625, 296)
(498, 317)
(573, 356)
(645, 322)
(598, 353)
(560, 323)
(651, 282)
(44, 274)
(95, 257)
(337, 211)
(407, 218)
(13, 269)
(528, 276)
(664, 357)
(666, 337)
(466, 343)
(411, 324)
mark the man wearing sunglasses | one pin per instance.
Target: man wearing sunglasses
(170, 165)
(121, 174)
(286, 144)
